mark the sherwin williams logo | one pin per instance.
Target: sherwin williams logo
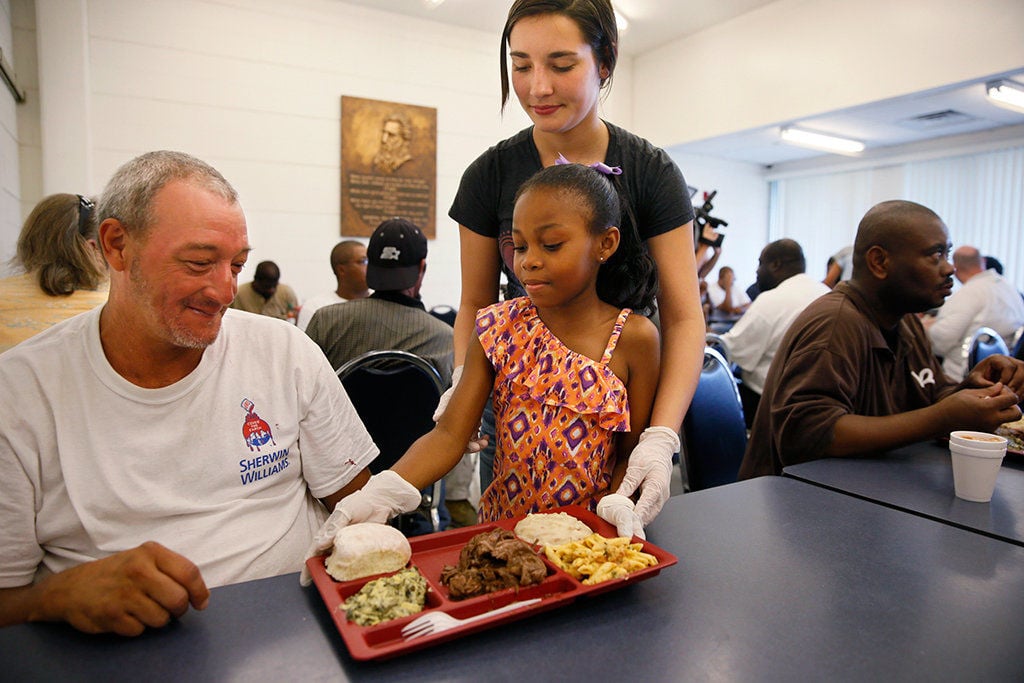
(257, 434)
(255, 430)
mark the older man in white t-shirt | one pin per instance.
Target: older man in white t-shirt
(163, 444)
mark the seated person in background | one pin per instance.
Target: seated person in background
(64, 272)
(266, 295)
(855, 373)
(992, 263)
(840, 267)
(785, 291)
(728, 300)
(394, 318)
(158, 445)
(348, 263)
(986, 299)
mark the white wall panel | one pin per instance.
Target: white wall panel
(10, 186)
(254, 87)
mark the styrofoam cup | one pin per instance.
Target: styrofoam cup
(983, 440)
(975, 471)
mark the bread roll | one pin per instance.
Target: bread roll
(366, 549)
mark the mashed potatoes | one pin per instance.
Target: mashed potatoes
(552, 528)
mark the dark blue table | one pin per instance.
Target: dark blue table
(919, 479)
(777, 581)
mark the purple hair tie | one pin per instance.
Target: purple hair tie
(599, 166)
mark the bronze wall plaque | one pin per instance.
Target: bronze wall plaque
(388, 165)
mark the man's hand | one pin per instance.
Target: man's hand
(982, 409)
(997, 368)
(124, 593)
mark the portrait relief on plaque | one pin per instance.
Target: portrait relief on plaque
(388, 165)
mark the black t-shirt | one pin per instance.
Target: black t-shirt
(655, 187)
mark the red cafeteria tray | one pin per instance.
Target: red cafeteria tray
(430, 554)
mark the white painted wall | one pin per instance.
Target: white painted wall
(254, 87)
(10, 192)
(796, 58)
(742, 201)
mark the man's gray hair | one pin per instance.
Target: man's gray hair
(129, 195)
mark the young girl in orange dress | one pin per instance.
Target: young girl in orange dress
(573, 370)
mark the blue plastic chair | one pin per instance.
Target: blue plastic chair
(984, 342)
(714, 432)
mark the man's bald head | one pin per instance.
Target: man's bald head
(968, 262)
(885, 225)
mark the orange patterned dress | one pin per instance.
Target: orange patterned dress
(556, 413)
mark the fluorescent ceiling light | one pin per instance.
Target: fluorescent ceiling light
(1006, 94)
(432, 3)
(620, 20)
(819, 141)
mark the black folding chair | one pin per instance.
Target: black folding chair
(445, 313)
(395, 394)
(714, 432)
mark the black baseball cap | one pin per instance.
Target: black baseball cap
(394, 254)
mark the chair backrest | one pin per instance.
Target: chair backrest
(395, 394)
(984, 342)
(445, 313)
(1017, 344)
(716, 342)
(714, 432)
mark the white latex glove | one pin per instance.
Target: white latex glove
(442, 403)
(650, 468)
(618, 510)
(380, 499)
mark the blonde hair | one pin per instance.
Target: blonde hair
(54, 245)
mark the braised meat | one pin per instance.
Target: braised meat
(491, 561)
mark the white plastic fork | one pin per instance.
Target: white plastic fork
(436, 622)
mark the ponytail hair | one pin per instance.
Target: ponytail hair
(54, 245)
(629, 278)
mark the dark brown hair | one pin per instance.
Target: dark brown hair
(596, 20)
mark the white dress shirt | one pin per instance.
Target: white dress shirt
(985, 300)
(753, 340)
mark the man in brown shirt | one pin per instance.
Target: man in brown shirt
(855, 373)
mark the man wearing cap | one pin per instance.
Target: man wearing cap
(393, 317)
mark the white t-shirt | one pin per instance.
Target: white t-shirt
(985, 300)
(753, 341)
(716, 295)
(313, 304)
(218, 467)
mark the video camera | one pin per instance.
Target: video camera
(703, 218)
